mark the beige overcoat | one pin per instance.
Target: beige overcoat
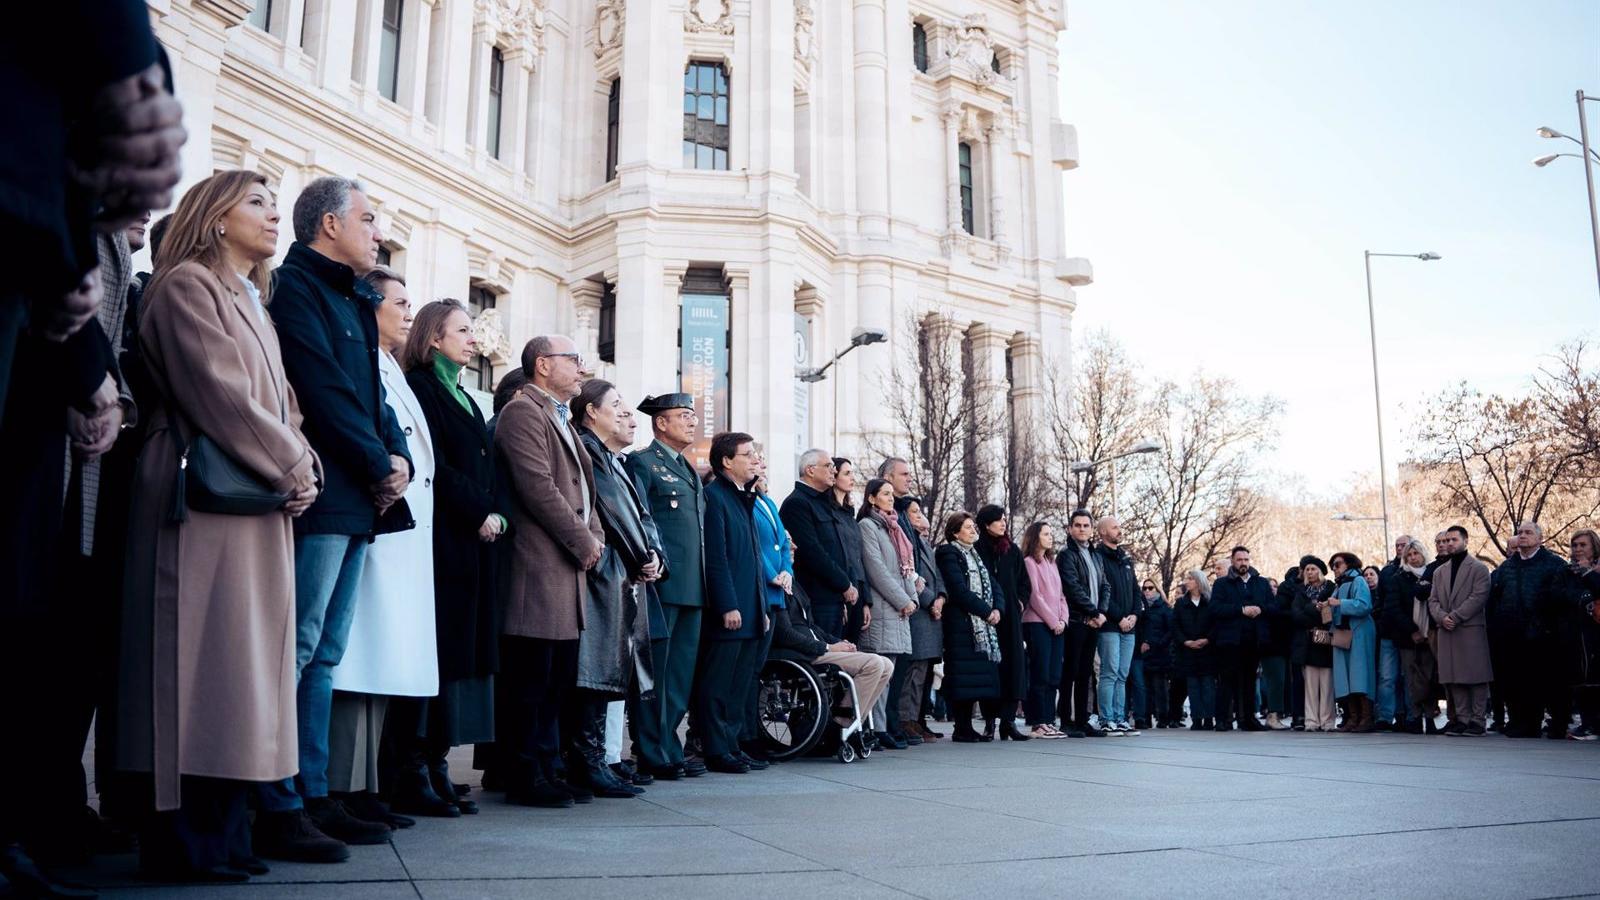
(1463, 653)
(207, 668)
(554, 526)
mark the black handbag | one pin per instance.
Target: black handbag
(209, 481)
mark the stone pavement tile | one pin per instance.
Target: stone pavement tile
(922, 768)
(807, 808)
(547, 848)
(773, 886)
(1184, 874)
(1546, 859)
(374, 863)
(372, 890)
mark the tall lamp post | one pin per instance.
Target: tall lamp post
(1588, 172)
(1377, 397)
(860, 337)
(1351, 517)
(1090, 465)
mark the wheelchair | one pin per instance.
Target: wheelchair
(797, 701)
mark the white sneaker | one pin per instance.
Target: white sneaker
(1112, 729)
(1128, 729)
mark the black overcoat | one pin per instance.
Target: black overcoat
(968, 674)
(1016, 589)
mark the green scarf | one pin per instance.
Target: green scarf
(450, 374)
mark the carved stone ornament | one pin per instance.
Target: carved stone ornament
(708, 15)
(518, 24)
(971, 50)
(491, 334)
(805, 20)
(609, 17)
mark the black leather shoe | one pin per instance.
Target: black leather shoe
(967, 736)
(579, 793)
(541, 794)
(292, 836)
(693, 767)
(666, 773)
(603, 782)
(755, 751)
(439, 777)
(333, 820)
(365, 805)
(626, 772)
(413, 795)
(1089, 730)
(755, 765)
(1009, 732)
(727, 764)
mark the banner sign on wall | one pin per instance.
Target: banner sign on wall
(703, 368)
(802, 390)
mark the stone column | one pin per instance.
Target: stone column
(369, 48)
(871, 109)
(413, 93)
(586, 294)
(989, 388)
(477, 91)
(951, 114)
(514, 109)
(999, 147)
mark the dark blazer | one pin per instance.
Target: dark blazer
(1190, 623)
(821, 563)
(1075, 575)
(968, 674)
(672, 490)
(327, 322)
(1016, 589)
(733, 563)
(1230, 627)
(1159, 625)
(794, 630)
(466, 616)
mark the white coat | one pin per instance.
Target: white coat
(392, 649)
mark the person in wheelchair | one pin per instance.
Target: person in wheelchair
(794, 631)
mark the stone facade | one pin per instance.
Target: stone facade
(841, 200)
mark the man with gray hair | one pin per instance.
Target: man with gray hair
(326, 322)
(820, 567)
(1527, 628)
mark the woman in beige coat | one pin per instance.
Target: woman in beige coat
(208, 680)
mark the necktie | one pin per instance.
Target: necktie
(563, 413)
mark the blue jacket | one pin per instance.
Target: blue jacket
(327, 323)
(774, 540)
(733, 562)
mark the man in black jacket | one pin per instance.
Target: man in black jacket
(819, 560)
(1526, 630)
(1389, 703)
(1084, 583)
(794, 630)
(1118, 636)
(1237, 602)
(326, 320)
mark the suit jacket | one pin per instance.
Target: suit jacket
(677, 503)
(552, 533)
(1463, 653)
(733, 562)
(793, 628)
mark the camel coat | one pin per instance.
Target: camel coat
(554, 525)
(207, 667)
(1463, 654)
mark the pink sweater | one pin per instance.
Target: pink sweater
(1048, 605)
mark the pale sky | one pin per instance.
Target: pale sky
(1237, 156)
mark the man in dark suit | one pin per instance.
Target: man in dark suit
(671, 487)
(819, 561)
(556, 537)
(1238, 631)
(326, 319)
(736, 599)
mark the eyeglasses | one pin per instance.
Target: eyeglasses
(577, 358)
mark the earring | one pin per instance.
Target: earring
(221, 230)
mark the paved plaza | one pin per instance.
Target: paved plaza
(1167, 814)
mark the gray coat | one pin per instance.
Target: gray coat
(1463, 653)
(889, 632)
(927, 635)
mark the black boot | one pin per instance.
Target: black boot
(412, 793)
(439, 777)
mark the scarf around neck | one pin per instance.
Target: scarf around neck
(449, 374)
(902, 544)
(984, 639)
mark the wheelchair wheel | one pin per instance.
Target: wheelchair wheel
(792, 708)
(846, 753)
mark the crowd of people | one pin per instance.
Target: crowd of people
(268, 547)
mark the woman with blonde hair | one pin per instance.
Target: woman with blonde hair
(207, 664)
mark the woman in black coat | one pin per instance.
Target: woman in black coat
(1193, 658)
(854, 562)
(1311, 651)
(466, 523)
(1165, 700)
(971, 643)
(1004, 560)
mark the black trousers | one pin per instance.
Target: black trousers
(897, 685)
(1077, 674)
(1177, 692)
(1046, 653)
(210, 829)
(1157, 695)
(726, 670)
(1530, 677)
(751, 731)
(583, 728)
(538, 675)
(656, 719)
(1236, 683)
(991, 707)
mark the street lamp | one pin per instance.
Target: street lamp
(1082, 466)
(1377, 398)
(1351, 517)
(860, 337)
(1588, 173)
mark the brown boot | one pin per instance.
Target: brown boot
(1347, 717)
(1364, 715)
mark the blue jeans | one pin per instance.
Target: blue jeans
(1391, 683)
(1116, 654)
(327, 569)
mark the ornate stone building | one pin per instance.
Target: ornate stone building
(722, 191)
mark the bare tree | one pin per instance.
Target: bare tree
(1203, 495)
(1100, 411)
(1568, 394)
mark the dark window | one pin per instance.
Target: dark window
(966, 189)
(994, 62)
(383, 255)
(613, 126)
(919, 46)
(497, 84)
(261, 16)
(479, 301)
(705, 116)
(389, 50)
(608, 324)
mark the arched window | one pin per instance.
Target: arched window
(497, 90)
(964, 162)
(613, 126)
(919, 46)
(705, 116)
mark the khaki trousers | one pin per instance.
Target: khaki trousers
(1319, 699)
(355, 728)
(1470, 702)
(870, 671)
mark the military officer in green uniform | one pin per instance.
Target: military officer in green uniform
(670, 485)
